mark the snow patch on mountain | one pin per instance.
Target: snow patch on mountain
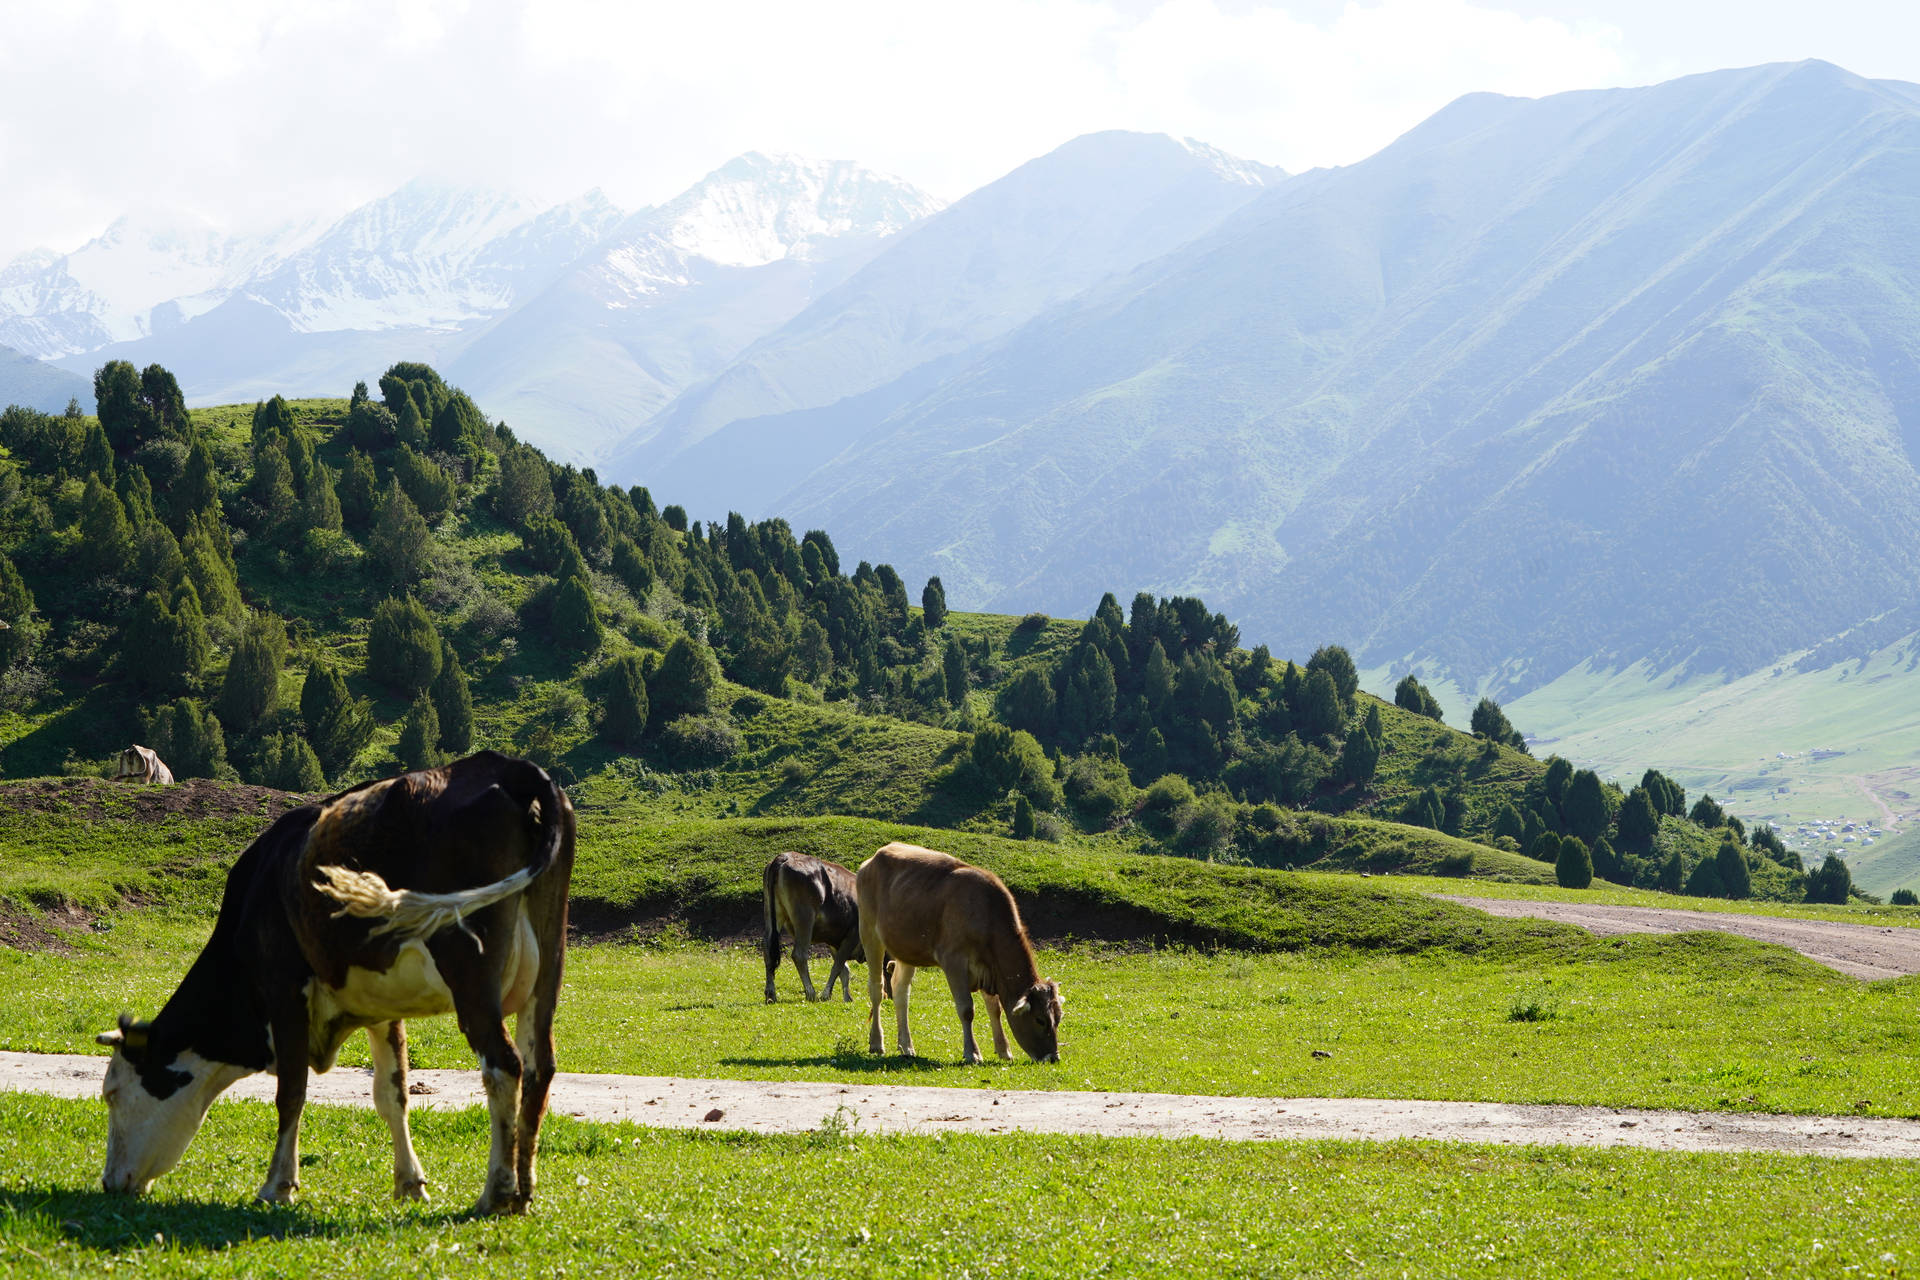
(753, 211)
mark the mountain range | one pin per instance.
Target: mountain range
(1604, 378)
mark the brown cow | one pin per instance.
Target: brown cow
(434, 892)
(142, 764)
(921, 908)
(812, 899)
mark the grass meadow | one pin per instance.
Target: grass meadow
(622, 1201)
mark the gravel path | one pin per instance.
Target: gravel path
(772, 1107)
(1858, 950)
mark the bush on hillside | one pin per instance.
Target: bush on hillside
(403, 649)
(698, 742)
(1573, 869)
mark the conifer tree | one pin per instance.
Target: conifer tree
(625, 716)
(400, 540)
(1338, 664)
(419, 745)
(933, 604)
(1359, 758)
(403, 649)
(1154, 760)
(684, 683)
(272, 487)
(96, 455)
(188, 738)
(1320, 713)
(252, 686)
(576, 623)
(1830, 882)
(23, 631)
(453, 703)
(1736, 880)
(197, 491)
(1573, 866)
(1671, 873)
(358, 492)
(1585, 806)
(338, 725)
(1023, 824)
(288, 763)
(1639, 823)
(1606, 863)
(320, 509)
(105, 535)
(954, 659)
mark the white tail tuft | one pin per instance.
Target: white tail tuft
(364, 895)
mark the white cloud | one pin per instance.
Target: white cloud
(247, 113)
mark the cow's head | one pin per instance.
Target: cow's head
(131, 766)
(156, 1101)
(1034, 1019)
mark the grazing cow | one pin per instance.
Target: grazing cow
(443, 890)
(142, 764)
(921, 908)
(812, 899)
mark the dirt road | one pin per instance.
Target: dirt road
(1859, 950)
(769, 1107)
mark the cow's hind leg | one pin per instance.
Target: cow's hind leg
(803, 920)
(290, 1097)
(388, 1041)
(876, 983)
(770, 946)
(476, 1003)
(533, 1026)
(902, 982)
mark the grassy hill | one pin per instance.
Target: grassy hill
(775, 684)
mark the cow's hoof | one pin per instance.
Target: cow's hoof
(1005, 1055)
(972, 1059)
(500, 1206)
(414, 1189)
(277, 1193)
(770, 999)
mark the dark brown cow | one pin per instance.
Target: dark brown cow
(920, 908)
(434, 892)
(813, 900)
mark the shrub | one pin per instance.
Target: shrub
(419, 745)
(683, 685)
(453, 703)
(188, 738)
(1011, 760)
(1022, 818)
(1573, 869)
(286, 762)
(1048, 827)
(700, 741)
(1905, 898)
(1167, 794)
(403, 649)
(252, 686)
(624, 705)
(1099, 788)
(1032, 623)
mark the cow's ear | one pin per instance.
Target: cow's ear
(1018, 1006)
(133, 1035)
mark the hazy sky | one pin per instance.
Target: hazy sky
(247, 112)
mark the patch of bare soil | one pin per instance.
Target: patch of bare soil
(24, 930)
(1864, 951)
(97, 798)
(765, 1106)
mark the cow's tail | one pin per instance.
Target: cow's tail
(413, 914)
(770, 943)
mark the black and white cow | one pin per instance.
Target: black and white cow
(434, 892)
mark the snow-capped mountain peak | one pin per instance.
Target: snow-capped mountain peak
(754, 210)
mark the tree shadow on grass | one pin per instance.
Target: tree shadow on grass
(113, 1223)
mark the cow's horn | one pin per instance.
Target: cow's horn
(111, 1039)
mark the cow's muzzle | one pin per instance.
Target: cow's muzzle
(124, 1184)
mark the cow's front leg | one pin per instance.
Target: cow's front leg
(963, 1005)
(902, 984)
(388, 1041)
(999, 1033)
(842, 956)
(289, 1099)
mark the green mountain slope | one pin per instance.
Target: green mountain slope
(1614, 375)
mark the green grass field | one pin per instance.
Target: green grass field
(618, 1200)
